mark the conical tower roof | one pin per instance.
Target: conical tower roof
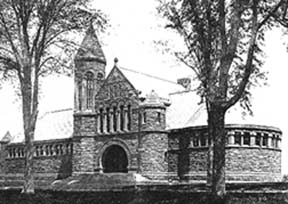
(90, 48)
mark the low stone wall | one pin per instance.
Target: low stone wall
(53, 157)
(252, 153)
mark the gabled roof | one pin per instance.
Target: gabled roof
(185, 110)
(116, 77)
(90, 48)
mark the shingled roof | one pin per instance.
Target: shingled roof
(56, 124)
(90, 47)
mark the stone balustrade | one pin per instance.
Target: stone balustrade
(41, 148)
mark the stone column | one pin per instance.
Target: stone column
(241, 138)
(100, 166)
(231, 139)
(278, 141)
(125, 120)
(253, 138)
(111, 122)
(104, 122)
(118, 121)
(269, 144)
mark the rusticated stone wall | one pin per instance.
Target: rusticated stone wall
(252, 153)
(3, 156)
(152, 118)
(265, 164)
(83, 154)
(153, 155)
(88, 151)
(84, 124)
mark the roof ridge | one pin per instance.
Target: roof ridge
(149, 75)
(54, 111)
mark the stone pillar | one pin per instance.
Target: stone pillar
(278, 142)
(231, 138)
(118, 121)
(241, 138)
(83, 96)
(111, 122)
(104, 122)
(253, 138)
(125, 120)
(269, 144)
(100, 167)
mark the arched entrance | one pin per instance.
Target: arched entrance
(115, 159)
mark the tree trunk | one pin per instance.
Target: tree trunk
(28, 187)
(29, 120)
(217, 133)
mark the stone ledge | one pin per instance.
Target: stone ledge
(230, 126)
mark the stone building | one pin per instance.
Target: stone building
(114, 128)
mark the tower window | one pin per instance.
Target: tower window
(158, 117)
(115, 118)
(108, 119)
(129, 117)
(144, 117)
(121, 118)
(89, 89)
(79, 84)
(100, 75)
(101, 119)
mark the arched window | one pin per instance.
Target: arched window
(89, 89)
(79, 85)
(108, 119)
(114, 118)
(121, 117)
(101, 119)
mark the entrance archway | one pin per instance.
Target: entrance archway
(115, 159)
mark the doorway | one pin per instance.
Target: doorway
(114, 160)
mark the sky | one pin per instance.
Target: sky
(134, 28)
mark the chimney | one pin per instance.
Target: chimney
(185, 82)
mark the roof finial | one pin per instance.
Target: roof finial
(115, 61)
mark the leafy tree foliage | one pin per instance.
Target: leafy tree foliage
(223, 42)
(31, 34)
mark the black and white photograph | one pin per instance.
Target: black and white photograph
(149, 102)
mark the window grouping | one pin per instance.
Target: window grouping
(260, 139)
(42, 150)
(114, 119)
(201, 140)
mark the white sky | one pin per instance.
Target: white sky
(134, 27)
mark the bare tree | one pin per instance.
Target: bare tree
(31, 32)
(223, 47)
